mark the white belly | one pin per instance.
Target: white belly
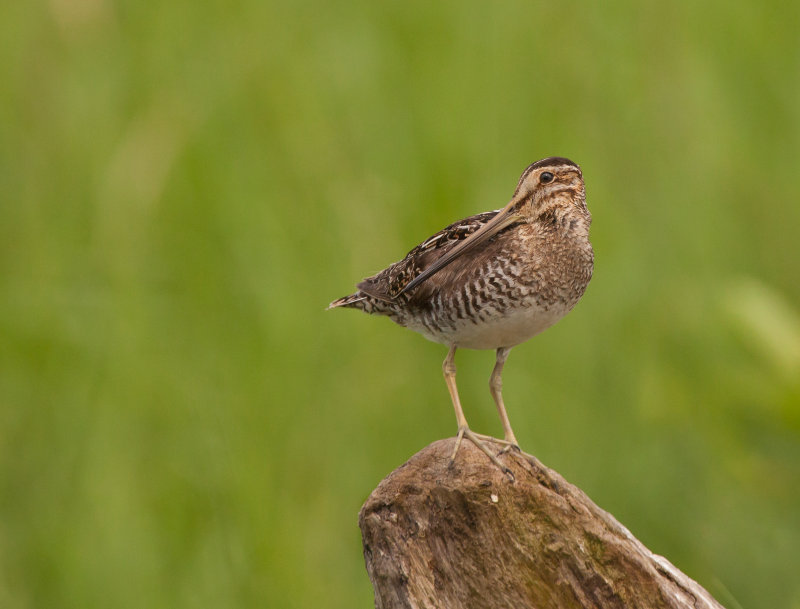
(511, 329)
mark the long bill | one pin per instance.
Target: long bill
(504, 218)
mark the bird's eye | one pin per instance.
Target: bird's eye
(546, 177)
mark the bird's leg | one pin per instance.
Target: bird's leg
(496, 387)
(449, 369)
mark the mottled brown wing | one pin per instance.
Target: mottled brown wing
(387, 284)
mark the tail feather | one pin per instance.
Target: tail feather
(348, 301)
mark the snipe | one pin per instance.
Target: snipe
(493, 280)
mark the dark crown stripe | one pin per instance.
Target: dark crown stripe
(551, 161)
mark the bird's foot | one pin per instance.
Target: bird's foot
(509, 447)
(478, 440)
(509, 444)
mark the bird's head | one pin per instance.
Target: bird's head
(546, 182)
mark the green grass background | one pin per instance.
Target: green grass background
(184, 186)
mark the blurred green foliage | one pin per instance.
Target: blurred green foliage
(185, 186)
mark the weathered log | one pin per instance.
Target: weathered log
(468, 537)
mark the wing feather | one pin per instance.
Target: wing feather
(388, 284)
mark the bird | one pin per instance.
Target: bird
(492, 280)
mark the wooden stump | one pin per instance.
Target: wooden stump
(469, 537)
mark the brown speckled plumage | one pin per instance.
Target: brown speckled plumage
(493, 280)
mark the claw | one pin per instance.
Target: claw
(509, 446)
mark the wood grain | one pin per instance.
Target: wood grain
(467, 536)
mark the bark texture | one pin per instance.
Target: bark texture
(468, 537)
